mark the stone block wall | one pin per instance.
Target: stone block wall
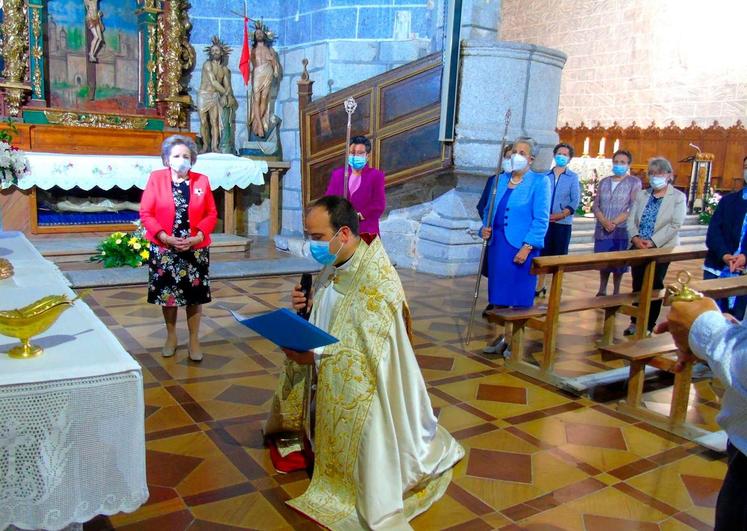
(640, 60)
(345, 41)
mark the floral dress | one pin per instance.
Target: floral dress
(179, 278)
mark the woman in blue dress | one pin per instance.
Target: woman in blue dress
(516, 233)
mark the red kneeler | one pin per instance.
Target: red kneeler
(299, 460)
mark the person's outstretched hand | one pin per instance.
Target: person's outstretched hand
(680, 320)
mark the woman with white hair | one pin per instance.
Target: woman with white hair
(178, 213)
(516, 232)
(654, 221)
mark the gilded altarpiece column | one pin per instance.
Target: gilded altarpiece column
(37, 21)
(176, 62)
(15, 53)
(147, 18)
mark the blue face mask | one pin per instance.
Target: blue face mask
(561, 160)
(320, 251)
(619, 169)
(357, 161)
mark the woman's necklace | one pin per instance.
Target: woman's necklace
(516, 183)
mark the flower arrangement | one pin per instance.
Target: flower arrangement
(709, 207)
(588, 191)
(13, 161)
(123, 249)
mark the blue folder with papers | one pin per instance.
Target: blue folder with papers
(287, 330)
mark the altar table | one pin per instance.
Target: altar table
(72, 440)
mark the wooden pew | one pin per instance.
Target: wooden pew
(661, 352)
(546, 317)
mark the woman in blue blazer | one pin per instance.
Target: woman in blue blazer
(516, 232)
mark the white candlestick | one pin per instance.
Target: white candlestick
(586, 146)
(616, 147)
(601, 145)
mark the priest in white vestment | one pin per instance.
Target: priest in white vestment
(380, 457)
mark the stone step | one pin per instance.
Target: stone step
(81, 248)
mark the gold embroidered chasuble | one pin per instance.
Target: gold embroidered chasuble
(372, 303)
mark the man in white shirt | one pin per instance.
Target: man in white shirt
(701, 331)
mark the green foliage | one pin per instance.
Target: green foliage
(6, 135)
(123, 249)
(74, 39)
(112, 40)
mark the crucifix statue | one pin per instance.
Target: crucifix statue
(95, 25)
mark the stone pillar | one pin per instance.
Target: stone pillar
(495, 77)
(481, 19)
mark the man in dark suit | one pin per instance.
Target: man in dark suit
(727, 243)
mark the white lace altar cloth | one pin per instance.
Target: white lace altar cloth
(107, 171)
(72, 441)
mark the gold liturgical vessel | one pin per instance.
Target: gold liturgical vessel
(31, 320)
(6, 269)
(681, 291)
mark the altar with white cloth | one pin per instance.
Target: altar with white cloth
(72, 441)
(99, 192)
(69, 171)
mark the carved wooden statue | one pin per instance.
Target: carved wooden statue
(265, 72)
(217, 102)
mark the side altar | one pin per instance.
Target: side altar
(98, 82)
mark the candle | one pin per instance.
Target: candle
(586, 146)
(616, 147)
(601, 146)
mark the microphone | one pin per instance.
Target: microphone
(306, 289)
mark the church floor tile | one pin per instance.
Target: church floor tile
(536, 457)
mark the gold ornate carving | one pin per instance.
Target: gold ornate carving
(109, 121)
(37, 52)
(176, 61)
(15, 52)
(6, 269)
(151, 65)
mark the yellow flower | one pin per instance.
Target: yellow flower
(144, 254)
(132, 241)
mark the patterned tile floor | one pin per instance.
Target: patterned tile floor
(537, 458)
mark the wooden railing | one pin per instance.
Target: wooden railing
(398, 110)
(729, 145)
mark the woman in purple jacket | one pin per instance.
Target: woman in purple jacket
(365, 185)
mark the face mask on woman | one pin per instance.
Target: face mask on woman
(320, 251)
(619, 169)
(561, 160)
(179, 165)
(518, 162)
(357, 161)
(658, 181)
(506, 165)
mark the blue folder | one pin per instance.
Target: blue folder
(287, 330)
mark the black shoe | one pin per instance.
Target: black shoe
(629, 331)
(540, 292)
(487, 309)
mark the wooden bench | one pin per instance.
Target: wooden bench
(661, 352)
(515, 321)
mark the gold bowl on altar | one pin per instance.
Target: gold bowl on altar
(31, 320)
(6, 269)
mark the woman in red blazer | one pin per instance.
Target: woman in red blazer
(365, 185)
(178, 212)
